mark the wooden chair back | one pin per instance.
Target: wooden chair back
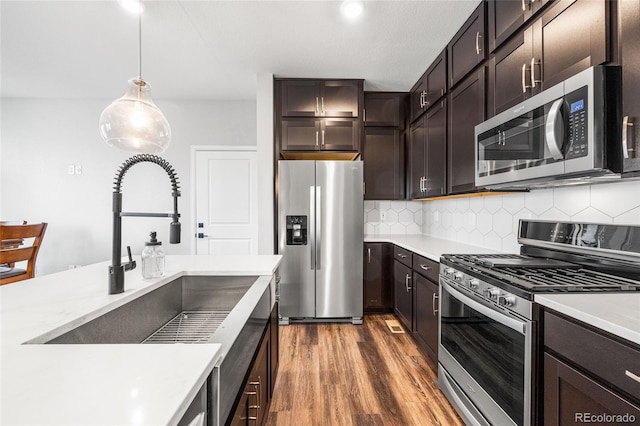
(11, 252)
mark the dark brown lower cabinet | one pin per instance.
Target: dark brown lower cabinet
(403, 294)
(252, 406)
(378, 294)
(426, 315)
(571, 397)
(589, 375)
(274, 360)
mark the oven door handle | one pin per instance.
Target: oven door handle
(512, 323)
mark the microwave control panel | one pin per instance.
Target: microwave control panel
(577, 107)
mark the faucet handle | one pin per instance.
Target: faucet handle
(132, 263)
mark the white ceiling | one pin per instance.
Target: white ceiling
(214, 49)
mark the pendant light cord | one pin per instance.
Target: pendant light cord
(140, 43)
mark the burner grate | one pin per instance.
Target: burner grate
(560, 277)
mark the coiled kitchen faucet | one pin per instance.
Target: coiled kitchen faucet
(117, 268)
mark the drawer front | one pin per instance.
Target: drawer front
(402, 255)
(616, 363)
(426, 267)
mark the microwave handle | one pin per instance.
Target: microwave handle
(554, 130)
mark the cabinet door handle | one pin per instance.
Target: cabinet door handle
(478, 49)
(425, 267)
(364, 115)
(258, 386)
(323, 138)
(524, 78)
(533, 72)
(524, 6)
(424, 96)
(316, 138)
(323, 111)
(317, 111)
(626, 123)
(632, 376)
(406, 283)
(434, 306)
(402, 256)
(369, 255)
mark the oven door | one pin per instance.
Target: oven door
(485, 359)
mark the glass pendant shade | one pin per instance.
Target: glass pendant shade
(134, 123)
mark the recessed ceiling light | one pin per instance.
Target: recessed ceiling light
(133, 6)
(351, 9)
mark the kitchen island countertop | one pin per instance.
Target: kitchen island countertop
(107, 384)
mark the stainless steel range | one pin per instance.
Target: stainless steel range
(487, 313)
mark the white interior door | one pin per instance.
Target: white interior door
(226, 202)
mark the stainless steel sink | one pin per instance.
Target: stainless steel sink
(187, 310)
(231, 311)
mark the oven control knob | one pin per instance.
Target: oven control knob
(492, 293)
(506, 300)
(448, 272)
(474, 284)
(458, 276)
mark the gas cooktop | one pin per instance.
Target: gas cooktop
(557, 257)
(539, 275)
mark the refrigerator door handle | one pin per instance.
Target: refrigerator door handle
(312, 221)
(318, 223)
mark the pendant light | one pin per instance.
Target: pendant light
(133, 122)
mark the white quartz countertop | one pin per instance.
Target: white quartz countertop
(118, 384)
(429, 247)
(616, 313)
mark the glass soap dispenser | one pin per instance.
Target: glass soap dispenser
(153, 258)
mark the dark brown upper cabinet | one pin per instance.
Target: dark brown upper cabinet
(384, 109)
(505, 17)
(320, 98)
(383, 149)
(427, 154)
(466, 110)
(430, 88)
(383, 157)
(629, 42)
(319, 134)
(467, 49)
(549, 51)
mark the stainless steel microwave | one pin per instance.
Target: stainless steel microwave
(569, 133)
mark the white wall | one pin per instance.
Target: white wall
(40, 138)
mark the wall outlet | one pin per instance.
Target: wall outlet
(383, 216)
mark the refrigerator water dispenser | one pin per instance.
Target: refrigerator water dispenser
(296, 230)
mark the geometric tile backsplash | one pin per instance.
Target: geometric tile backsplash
(492, 221)
(393, 217)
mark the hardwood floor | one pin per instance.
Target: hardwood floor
(343, 374)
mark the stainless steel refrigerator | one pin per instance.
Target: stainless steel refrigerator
(320, 235)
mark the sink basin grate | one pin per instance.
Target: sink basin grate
(189, 327)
